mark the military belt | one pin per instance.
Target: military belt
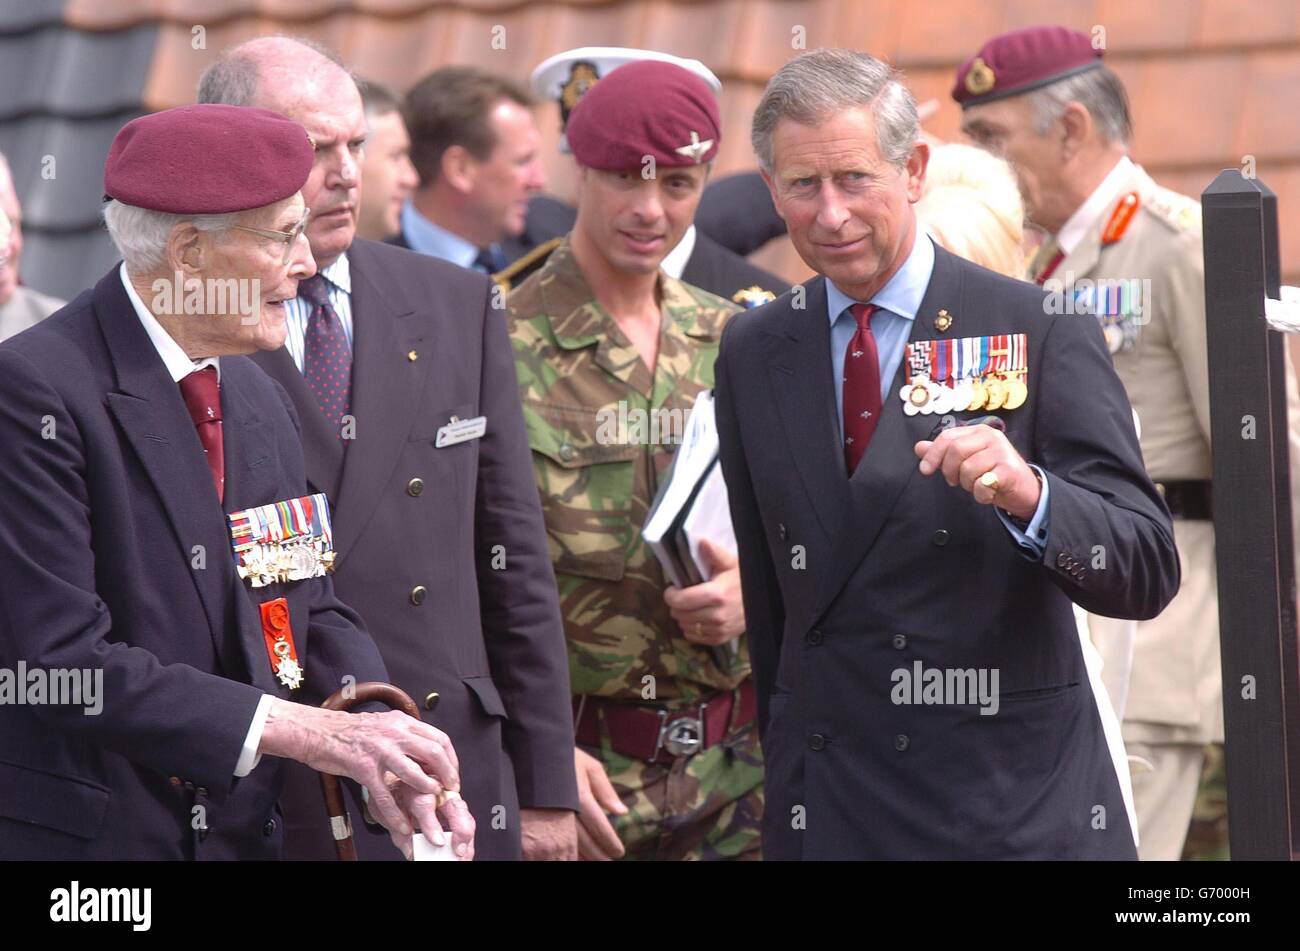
(1189, 499)
(655, 734)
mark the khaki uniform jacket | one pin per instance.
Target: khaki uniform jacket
(1159, 348)
(25, 309)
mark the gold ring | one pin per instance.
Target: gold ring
(699, 630)
(447, 796)
(990, 481)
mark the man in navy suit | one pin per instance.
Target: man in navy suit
(130, 429)
(922, 691)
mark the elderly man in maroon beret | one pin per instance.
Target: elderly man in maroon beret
(663, 701)
(166, 598)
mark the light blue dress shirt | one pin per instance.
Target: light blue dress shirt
(897, 304)
(431, 239)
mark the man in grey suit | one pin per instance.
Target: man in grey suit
(402, 373)
(20, 307)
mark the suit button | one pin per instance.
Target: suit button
(817, 742)
(1062, 560)
(189, 786)
(431, 700)
(780, 531)
(414, 487)
(814, 637)
(174, 780)
(201, 791)
(940, 537)
(417, 594)
(203, 833)
(901, 742)
(268, 829)
(566, 452)
(900, 641)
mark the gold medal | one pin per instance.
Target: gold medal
(1017, 393)
(978, 394)
(997, 393)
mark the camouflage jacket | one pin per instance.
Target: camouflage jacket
(603, 429)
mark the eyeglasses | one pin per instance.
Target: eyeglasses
(289, 238)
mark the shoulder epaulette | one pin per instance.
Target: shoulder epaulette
(522, 268)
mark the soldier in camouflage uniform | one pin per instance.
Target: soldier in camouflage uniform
(611, 354)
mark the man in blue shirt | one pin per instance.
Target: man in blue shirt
(477, 149)
(922, 691)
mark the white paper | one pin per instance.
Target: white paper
(425, 851)
(710, 517)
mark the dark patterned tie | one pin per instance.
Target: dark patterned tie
(327, 358)
(490, 260)
(861, 387)
(202, 395)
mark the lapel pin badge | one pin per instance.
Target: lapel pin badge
(943, 321)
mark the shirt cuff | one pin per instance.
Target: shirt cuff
(249, 758)
(1033, 538)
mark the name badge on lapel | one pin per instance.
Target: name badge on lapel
(966, 374)
(460, 430)
(291, 540)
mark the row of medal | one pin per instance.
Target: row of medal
(284, 541)
(965, 374)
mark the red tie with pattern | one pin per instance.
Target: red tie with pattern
(327, 358)
(202, 395)
(861, 387)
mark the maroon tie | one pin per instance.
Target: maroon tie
(327, 358)
(202, 395)
(861, 387)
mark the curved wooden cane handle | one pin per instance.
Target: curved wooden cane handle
(340, 823)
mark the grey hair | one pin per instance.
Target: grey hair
(232, 80)
(141, 234)
(1097, 90)
(820, 82)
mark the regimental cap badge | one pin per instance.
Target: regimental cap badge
(981, 78)
(582, 76)
(696, 149)
(751, 297)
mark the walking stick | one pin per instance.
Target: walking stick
(340, 823)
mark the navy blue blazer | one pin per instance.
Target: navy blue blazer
(115, 555)
(847, 580)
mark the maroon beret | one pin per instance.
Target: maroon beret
(208, 159)
(1023, 60)
(645, 108)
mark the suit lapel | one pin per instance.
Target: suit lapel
(322, 450)
(152, 416)
(889, 462)
(799, 369)
(386, 389)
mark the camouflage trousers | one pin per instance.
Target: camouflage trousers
(1207, 838)
(703, 807)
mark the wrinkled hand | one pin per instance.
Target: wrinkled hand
(549, 835)
(424, 811)
(366, 747)
(711, 613)
(597, 840)
(965, 454)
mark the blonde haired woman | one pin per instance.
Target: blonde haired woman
(971, 207)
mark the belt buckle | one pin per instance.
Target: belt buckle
(683, 736)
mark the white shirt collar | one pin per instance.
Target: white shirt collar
(178, 364)
(339, 273)
(675, 262)
(1074, 230)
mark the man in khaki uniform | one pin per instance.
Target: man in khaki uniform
(611, 354)
(1124, 249)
